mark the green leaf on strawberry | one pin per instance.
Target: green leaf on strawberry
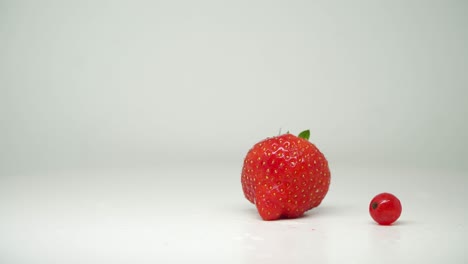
(305, 134)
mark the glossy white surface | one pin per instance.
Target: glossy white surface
(199, 214)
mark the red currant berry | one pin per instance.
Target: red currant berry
(385, 208)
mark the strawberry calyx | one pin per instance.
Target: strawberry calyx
(305, 134)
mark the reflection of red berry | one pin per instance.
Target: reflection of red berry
(385, 208)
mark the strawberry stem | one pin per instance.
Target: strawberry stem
(305, 134)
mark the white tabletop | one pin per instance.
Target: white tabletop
(170, 215)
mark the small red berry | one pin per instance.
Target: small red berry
(385, 208)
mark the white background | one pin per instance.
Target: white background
(123, 125)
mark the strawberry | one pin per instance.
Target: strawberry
(285, 176)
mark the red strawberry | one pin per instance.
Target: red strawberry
(285, 176)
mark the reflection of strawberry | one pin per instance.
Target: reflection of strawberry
(285, 176)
